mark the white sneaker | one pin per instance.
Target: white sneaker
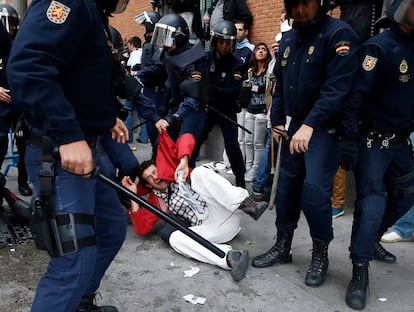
(393, 237)
(249, 177)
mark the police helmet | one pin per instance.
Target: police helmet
(116, 39)
(148, 19)
(170, 29)
(396, 12)
(224, 30)
(113, 6)
(325, 6)
(9, 18)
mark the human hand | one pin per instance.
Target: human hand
(279, 131)
(120, 131)
(4, 95)
(76, 157)
(161, 125)
(130, 185)
(300, 140)
(348, 152)
(182, 166)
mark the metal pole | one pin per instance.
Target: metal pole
(132, 196)
(275, 175)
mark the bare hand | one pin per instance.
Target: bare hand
(120, 131)
(76, 157)
(161, 125)
(300, 140)
(279, 131)
(182, 166)
(130, 185)
(4, 95)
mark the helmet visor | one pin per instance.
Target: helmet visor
(142, 18)
(164, 35)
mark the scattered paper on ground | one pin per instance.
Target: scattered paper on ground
(192, 271)
(194, 299)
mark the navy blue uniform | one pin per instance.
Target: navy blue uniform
(314, 73)
(225, 82)
(60, 73)
(385, 93)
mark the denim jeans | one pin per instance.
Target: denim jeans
(405, 225)
(263, 171)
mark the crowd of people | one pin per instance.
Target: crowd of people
(323, 92)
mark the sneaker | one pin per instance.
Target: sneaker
(393, 237)
(249, 177)
(337, 212)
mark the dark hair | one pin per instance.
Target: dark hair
(240, 22)
(135, 41)
(143, 166)
(254, 61)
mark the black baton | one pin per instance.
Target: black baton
(229, 119)
(132, 196)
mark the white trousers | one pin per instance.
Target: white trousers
(223, 222)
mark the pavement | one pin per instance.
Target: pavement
(147, 275)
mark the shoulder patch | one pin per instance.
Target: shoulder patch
(57, 12)
(369, 62)
(342, 48)
(237, 76)
(196, 75)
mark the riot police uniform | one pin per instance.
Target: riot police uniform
(225, 81)
(384, 91)
(314, 73)
(187, 83)
(152, 73)
(60, 73)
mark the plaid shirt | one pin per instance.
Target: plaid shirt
(179, 206)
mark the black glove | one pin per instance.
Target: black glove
(348, 152)
(174, 121)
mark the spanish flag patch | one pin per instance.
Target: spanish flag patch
(196, 75)
(342, 48)
(57, 12)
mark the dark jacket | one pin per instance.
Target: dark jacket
(235, 10)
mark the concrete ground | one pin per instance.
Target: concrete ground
(147, 275)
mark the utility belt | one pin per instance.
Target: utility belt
(55, 232)
(384, 138)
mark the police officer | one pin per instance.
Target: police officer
(314, 71)
(152, 73)
(225, 82)
(385, 170)
(63, 53)
(10, 118)
(187, 87)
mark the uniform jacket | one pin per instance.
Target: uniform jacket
(225, 81)
(5, 108)
(385, 83)
(61, 78)
(315, 70)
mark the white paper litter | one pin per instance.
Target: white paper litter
(194, 299)
(382, 299)
(192, 271)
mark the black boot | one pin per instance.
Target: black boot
(240, 182)
(380, 254)
(356, 294)
(319, 265)
(87, 305)
(280, 252)
(238, 260)
(253, 208)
